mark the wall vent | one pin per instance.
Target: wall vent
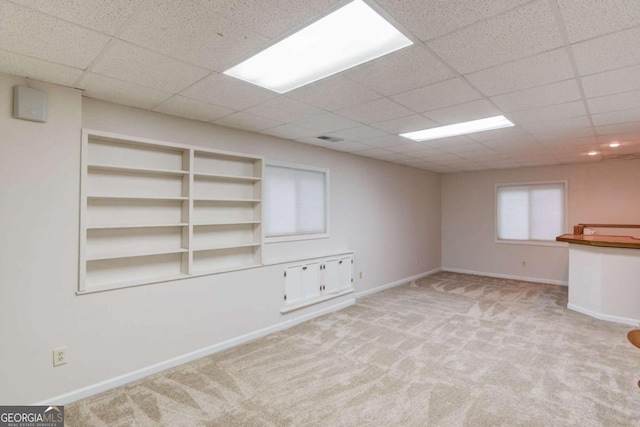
(630, 156)
(329, 138)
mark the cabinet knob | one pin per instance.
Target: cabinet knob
(304, 268)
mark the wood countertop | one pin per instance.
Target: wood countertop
(601, 240)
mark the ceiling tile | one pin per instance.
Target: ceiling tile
(523, 32)
(119, 92)
(464, 112)
(375, 111)
(384, 141)
(143, 67)
(358, 133)
(28, 32)
(620, 101)
(326, 122)
(552, 112)
(617, 128)
(312, 140)
(247, 121)
(591, 18)
(270, 18)
(428, 20)
(103, 16)
(348, 146)
(334, 93)
(189, 32)
(439, 157)
(439, 95)
(621, 137)
(510, 140)
(388, 156)
(19, 65)
(408, 69)
(560, 142)
(284, 109)
(612, 82)
(192, 109)
(558, 125)
(608, 52)
(534, 71)
(229, 92)
(452, 140)
(460, 149)
(288, 131)
(405, 124)
(565, 132)
(411, 148)
(541, 96)
(615, 117)
(497, 134)
(381, 154)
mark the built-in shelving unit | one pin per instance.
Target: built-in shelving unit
(153, 211)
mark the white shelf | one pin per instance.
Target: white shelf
(114, 168)
(141, 198)
(205, 271)
(121, 224)
(226, 177)
(216, 200)
(221, 247)
(133, 254)
(100, 287)
(115, 226)
(203, 224)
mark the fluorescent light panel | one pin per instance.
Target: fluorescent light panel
(350, 36)
(496, 122)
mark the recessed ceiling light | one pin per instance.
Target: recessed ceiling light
(593, 153)
(496, 122)
(347, 37)
(614, 144)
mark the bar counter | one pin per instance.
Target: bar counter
(604, 276)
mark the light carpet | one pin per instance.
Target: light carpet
(449, 350)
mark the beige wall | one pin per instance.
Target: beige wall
(605, 192)
(386, 213)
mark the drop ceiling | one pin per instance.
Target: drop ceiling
(566, 72)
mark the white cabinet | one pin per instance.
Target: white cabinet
(337, 274)
(302, 282)
(154, 211)
(310, 281)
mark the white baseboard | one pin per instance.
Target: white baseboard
(507, 276)
(607, 317)
(396, 283)
(149, 370)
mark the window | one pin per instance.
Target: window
(530, 212)
(295, 200)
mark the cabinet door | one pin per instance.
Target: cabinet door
(330, 278)
(345, 278)
(293, 284)
(311, 280)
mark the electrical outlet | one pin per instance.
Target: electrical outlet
(361, 274)
(59, 356)
(524, 263)
(417, 261)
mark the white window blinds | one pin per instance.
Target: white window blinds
(294, 201)
(531, 211)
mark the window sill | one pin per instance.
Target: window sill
(532, 243)
(296, 237)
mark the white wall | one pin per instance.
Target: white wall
(604, 192)
(388, 214)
